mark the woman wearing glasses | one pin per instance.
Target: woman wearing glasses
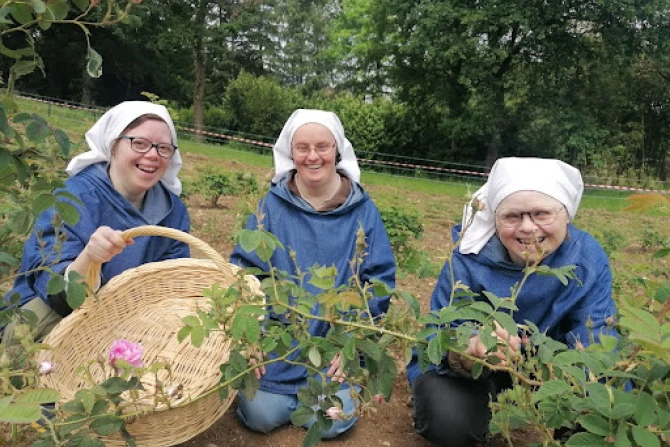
(315, 207)
(522, 216)
(128, 178)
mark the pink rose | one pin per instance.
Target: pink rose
(379, 398)
(335, 413)
(126, 350)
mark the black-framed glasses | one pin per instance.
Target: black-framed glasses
(142, 145)
(321, 148)
(540, 215)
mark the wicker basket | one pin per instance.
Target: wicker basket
(146, 305)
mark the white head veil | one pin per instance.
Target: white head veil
(509, 175)
(282, 149)
(101, 136)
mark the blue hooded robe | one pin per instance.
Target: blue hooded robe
(102, 205)
(561, 311)
(324, 238)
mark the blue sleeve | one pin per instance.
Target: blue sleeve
(379, 263)
(597, 306)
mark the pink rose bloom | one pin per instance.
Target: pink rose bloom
(126, 350)
(379, 398)
(335, 413)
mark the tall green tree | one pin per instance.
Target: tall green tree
(300, 36)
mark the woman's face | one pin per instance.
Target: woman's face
(133, 173)
(314, 151)
(522, 241)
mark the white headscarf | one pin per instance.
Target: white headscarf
(101, 136)
(282, 148)
(509, 175)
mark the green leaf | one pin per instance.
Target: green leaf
(301, 416)
(114, 386)
(645, 409)
(38, 396)
(622, 439)
(60, 9)
(370, 349)
(67, 212)
(663, 293)
(313, 436)
(106, 425)
(663, 252)
(6, 258)
(600, 397)
(63, 141)
(38, 6)
(644, 437)
(37, 131)
(81, 4)
(586, 440)
(434, 351)
(608, 342)
(197, 336)
(551, 388)
(82, 439)
(22, 13)
(249, 239)
(315, 356)
(191, 320)
(253, 329)
(76, 295)
(250, 385)
(94, 64)
(21, 413)
(21, 222)
(43, 202)
(56, 284)
(183, 333)
(594, 423)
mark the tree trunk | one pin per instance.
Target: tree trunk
(493, 147)
(200, 73)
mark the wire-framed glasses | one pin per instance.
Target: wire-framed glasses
(142, 145)
(540, 215)
(320, 148)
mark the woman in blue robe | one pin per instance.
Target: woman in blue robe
(315, 207)
(128, 178)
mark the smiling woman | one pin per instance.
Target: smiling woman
(520, 217)
(315, 207)
(120, 183)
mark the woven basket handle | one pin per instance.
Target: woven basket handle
(154, 230)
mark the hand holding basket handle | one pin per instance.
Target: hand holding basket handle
(154, 230)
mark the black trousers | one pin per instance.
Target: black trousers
(454, 412)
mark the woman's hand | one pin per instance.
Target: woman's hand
(510, 348)
(255, 358)
(102, 246)
(336, 370)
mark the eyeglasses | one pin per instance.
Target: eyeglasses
(142, 146)
(321, 148)
(541, 215)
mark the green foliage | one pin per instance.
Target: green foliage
(259, 105)
(213, 184)
(611, 240)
